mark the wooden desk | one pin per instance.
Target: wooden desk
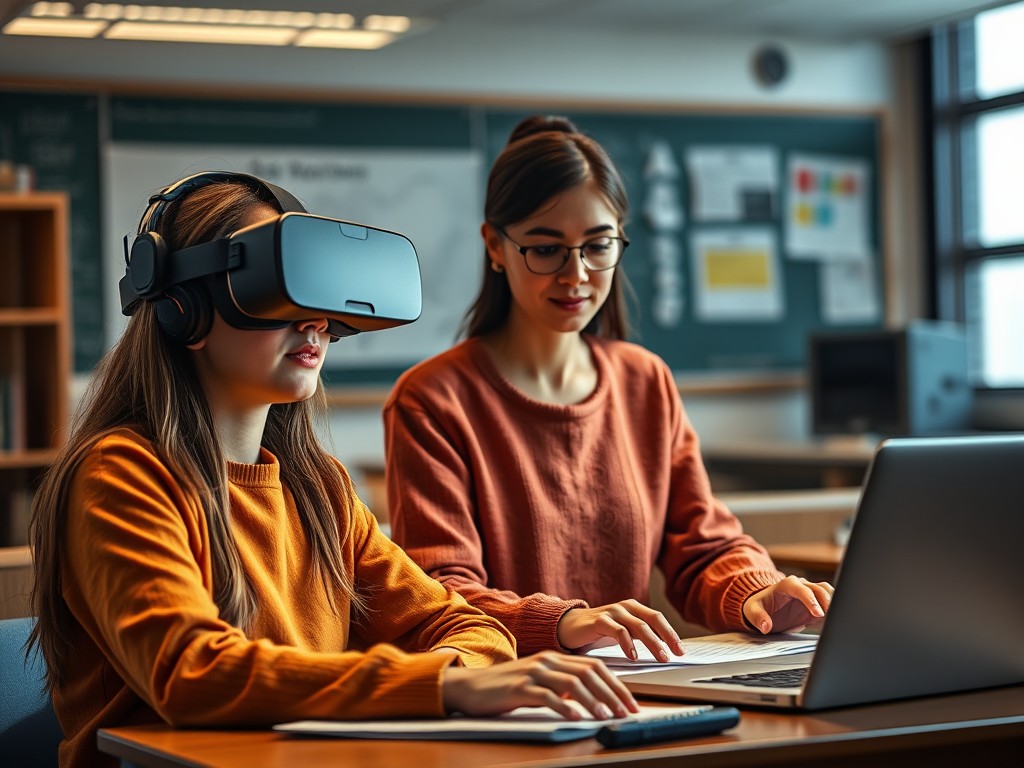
(977, 728)
(817, 559)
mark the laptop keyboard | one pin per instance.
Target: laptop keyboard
(773, 678)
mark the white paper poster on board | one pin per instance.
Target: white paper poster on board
(734, 183)
(848, 291)
(827, 208)
(736, 275)
(431, 196)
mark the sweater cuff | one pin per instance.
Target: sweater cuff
(417, 684)
(540, 631)
(743, 586)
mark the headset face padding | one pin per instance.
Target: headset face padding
(185, 312)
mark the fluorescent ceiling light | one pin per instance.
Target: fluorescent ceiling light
(334, 21)
(397, 24)
(233, 26)
(200, 33)
(27, 25)
(339, 38)
(52, 9)
(110, 11)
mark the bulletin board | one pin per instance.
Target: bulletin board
(744, 332)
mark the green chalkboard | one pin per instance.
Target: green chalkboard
(692, 344)
(58, 136)
(181, 121)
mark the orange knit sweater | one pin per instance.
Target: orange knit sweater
(528, 508)
(149, 643)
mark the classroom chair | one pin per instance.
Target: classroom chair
(29, 732)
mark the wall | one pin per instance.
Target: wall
(556, 66)
(504, 61)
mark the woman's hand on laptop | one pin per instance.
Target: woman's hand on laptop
(619, 623)
(788, 605)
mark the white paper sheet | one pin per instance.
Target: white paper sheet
(827, 214)
(712, 649)
(847, 291)
(736, 274)
(734, 183)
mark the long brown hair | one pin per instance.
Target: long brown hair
(148, 383)
(544, 157)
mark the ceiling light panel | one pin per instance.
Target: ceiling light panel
(54, 27)
(229, 34)
(257, 25)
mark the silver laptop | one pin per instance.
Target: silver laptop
(929, 595)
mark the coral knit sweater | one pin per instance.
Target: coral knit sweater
(529, 509)
(149, 644)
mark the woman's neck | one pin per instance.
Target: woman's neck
(548, 366)
(240, 431)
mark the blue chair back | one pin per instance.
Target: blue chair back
(29, 732)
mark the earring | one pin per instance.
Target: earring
(497, 267)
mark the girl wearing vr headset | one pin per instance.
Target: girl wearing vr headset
(544, 466)
(202, 560)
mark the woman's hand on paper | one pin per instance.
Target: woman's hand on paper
(788, 605)
(546, 679)
(621, 623)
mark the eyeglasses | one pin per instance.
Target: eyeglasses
(597, 255)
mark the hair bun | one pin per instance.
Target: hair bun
(541, 124)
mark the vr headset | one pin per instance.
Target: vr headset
(295, 266)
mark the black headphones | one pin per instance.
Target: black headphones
(184, 308)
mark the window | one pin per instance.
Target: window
(995, 316)
(999, 144)
(999, 67)
(978, 150)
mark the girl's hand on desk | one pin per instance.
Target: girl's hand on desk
(789, 605)
(546, 679)
(621, 622)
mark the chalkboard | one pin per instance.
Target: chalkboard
(221, 121)
(702, 346)
(58, 136)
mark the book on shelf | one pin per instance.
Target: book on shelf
(12, 412)
(14, 517)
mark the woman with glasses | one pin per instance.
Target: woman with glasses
(543, 466)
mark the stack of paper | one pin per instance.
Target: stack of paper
(712, 649)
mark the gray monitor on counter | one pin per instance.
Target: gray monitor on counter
(888, 382)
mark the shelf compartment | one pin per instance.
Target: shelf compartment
(28, 272)
(33, 396)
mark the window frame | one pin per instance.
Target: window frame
(954, 110)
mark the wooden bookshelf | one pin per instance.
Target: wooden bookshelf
(35, 351)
